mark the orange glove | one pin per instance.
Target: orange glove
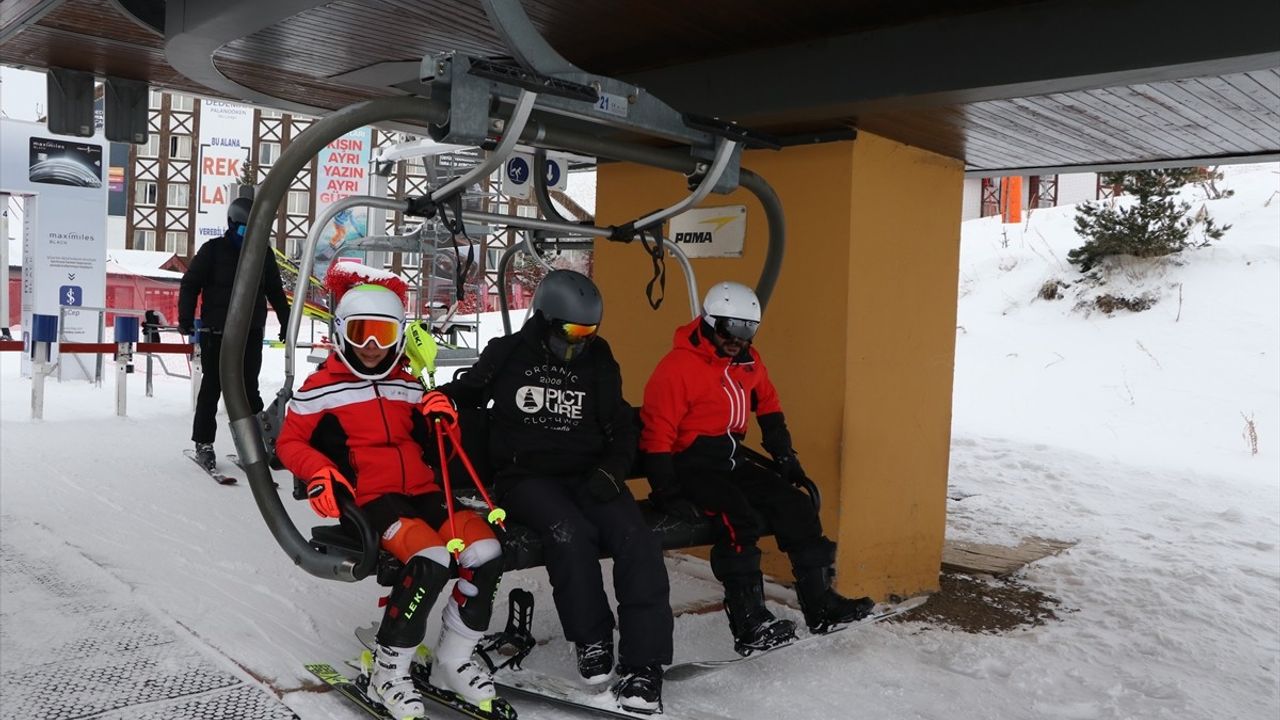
(436, 404)
(321, 490)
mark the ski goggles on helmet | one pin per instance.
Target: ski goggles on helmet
(733, 328)
(573, 333)
(384, 332)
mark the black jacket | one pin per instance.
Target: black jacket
(548, 417)
(210, 277)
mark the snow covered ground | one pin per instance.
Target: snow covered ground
(1122, 433)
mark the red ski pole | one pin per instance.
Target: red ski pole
(497, 515)
(455, 544)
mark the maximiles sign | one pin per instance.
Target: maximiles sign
(63, 185)
(710, 232)
(222, 158)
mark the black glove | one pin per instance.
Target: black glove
(601, 486)
(664, 488)
(789, 468)
(284, 325)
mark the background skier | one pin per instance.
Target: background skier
(209, 279)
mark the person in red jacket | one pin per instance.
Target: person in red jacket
(696, 406)
(355, 427)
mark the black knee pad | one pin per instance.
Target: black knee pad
(477, 611)
(405, 620)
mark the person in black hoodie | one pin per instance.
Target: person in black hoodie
(210, 278)
(562, 440)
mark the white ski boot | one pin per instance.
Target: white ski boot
(454, 668)
(391, 685)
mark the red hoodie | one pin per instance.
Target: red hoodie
(697, 396)
(371, 431)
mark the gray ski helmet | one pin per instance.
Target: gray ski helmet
(572, 307)
(238, 212)
(569, 296)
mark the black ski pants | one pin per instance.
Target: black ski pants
(744, 500)
(574, 532)
(204, 427)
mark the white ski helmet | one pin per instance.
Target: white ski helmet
(381, 305)
(732, 309)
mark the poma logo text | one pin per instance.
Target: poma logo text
(693, 237)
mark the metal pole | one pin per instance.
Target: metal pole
(38, 372)
(124, 356)
(4, 262)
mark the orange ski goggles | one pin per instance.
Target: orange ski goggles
(381, 331)
(575, 332)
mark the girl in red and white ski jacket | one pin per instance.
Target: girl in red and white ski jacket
(370, 430)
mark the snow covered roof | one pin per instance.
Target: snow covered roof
(148, 263)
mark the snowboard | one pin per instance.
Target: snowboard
(698, 668)
(555, 690)
(217, 476)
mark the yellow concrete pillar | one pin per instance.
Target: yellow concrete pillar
(859, 336)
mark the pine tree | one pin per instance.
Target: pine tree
(1153, 226)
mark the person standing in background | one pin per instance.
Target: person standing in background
(209, 279)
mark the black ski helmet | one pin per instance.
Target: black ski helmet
(569, 296)
(238, 212)
(572, 307)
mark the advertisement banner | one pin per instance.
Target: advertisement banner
(342, 170)
(225, 130)
(63, 186)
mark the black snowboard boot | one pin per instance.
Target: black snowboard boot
(639, 690)
(824, 609)
(595, 660)
(205, 455)
(753, 626)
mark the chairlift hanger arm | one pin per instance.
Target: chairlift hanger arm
(546, 134)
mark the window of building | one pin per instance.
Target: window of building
(144, 239)
(145, 192)
(179, 147)
(152, 148)
(156, 100)
(416, 165)
(299, 202)
(267, 153)
(176, 242)
(177, 195)
(266, 113)
(181, 102)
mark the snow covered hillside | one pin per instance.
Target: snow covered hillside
(1122, 433)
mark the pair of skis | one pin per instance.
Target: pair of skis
(357, 690)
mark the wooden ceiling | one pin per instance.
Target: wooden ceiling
(1004, 84)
